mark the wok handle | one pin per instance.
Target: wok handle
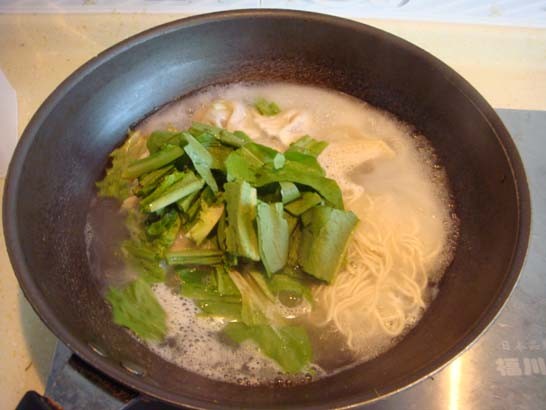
(33, 401)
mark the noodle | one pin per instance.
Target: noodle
(372, 288)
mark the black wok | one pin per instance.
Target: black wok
(64, 150)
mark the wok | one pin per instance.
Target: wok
(64, 150)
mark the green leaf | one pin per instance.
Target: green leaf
(182, 188)
(194, 257)
(280, 284)
(158, 139)
(289, 346)
(308, 161)
(220, 308)
(152, 162)
(207, 220)
(241, 238)
(144, 259)
(273, 236)
(163, 232)
(267, 108)
(289, 192)
(136, 307)
(307, 201)
(326, 234)
(202, 160)
(150, 181)
(226, 287)
(307, 145)
(113, 185)
(299, 174)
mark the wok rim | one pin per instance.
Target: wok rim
(84, 351)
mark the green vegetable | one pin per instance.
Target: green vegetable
(194, 257)
(224, 283)
(163, 232)
(158, 139)
(202, 160)
(184, 187)
(308, 161)
(265, 107)
(149, 182)
(326, 233)
(289, 192)
(144, 259)
(273, 236)
(208, 218)
(113, 185)
(220, 308)
(307, 145)
(289, 346)
(136, 307)
(235, 139)
(184, 204)
(152, 162)
(241, 200)
(280, 284)
(219, 154)
(299, 174)
(307, 201)
(258, 302)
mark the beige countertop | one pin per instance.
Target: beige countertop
(507, 65)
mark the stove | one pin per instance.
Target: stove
(505, 369)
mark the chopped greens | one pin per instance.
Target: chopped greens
(267, 108)
(273, 236)
(326, 233)
(136, 307)
(263, 225)
(241, 201)
(289, 346)
(152, 162)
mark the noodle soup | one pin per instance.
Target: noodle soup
(404, 240)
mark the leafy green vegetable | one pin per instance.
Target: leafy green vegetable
(307, 145)
(308, 161)
(299, 174)
(220, 308)
(144, 259)
(267, 108)
(289, 346)
(185, 203)
(207, 220)
(194, 257)
(235, 139)
(163, 232)
(280, 284)
(184, 187)
(224, 283)
(152, 162)
(158, 139)
(258, 305)
(149, 182)
(289, 192)
(258, 215)
(326, 233)
(273, 236)
(113, 185)
(136, 307)
(307, 201)
(241, 201)
(202, 160)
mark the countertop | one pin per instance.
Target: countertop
(506, 65)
